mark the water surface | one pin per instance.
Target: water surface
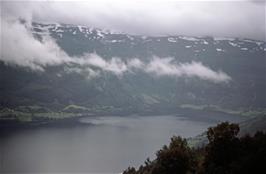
(108, 144)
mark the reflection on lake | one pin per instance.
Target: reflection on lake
(109, 144)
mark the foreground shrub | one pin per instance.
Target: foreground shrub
(226, 153)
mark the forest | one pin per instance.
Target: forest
(225, 153)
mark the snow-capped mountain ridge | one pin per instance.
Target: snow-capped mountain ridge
(56, 27)
(106, 37)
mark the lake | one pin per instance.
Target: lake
(103, 144)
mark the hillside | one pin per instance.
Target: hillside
(133, 78)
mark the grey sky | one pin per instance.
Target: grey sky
(239, 18)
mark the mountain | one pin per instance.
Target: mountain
(69, 86)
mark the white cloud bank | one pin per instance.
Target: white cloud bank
(20, 47)
(166, 66)
(156, 66)
(115, 65)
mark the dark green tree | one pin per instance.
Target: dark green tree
(177, 158)
(226, 153)
(222, 148)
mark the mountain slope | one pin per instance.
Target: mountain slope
(70, 83)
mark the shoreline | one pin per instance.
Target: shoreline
(10, 125)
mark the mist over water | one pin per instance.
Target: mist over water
(108, 144)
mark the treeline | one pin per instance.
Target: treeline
(226, 153)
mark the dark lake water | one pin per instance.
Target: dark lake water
(108, 144)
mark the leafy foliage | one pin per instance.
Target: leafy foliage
(226, 153)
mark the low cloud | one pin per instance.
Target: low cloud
(167, 67)
(156, 67)
(88, 72)
(23, 49)
(20, 47)
(114, 65)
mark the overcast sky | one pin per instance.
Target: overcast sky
(238, 18)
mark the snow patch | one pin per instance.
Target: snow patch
(56, 26)
(259, 43)
(88, 31)
(219, 50)
(205, 42)
(253, 41)
(99, 33)
(223, 38)
(105, 31)
(143, 37)
(233, 44)
(59, 31)
(170, 39)
(189, 38)
(115, 41)
(130, 37)
(80, 28)
(46, 27)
